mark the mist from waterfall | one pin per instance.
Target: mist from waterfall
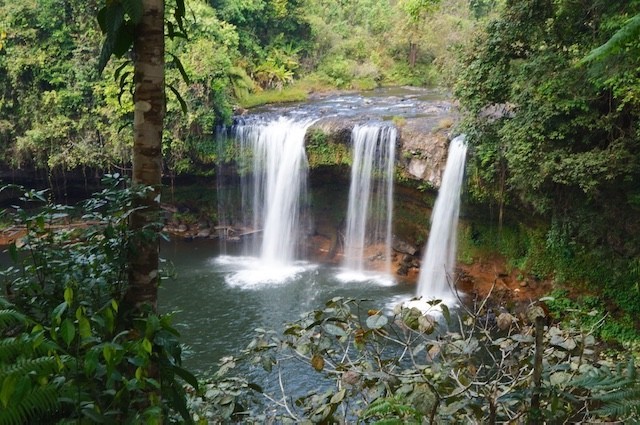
(274, 168)
(440, 256)
(370, 206)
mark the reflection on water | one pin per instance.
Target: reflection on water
(219, 300)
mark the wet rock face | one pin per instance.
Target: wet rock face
(403, 247)
(423, 154)
(337, 130)
(421, 151)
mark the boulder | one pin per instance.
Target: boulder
(403, 247)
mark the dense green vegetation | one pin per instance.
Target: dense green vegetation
(67, 352)
(555, 133)
(549, 91)
(57, 113)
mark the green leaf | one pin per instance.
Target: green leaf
(147, 346)
(8, 387)
(178, 64)
(445, 313)
(102, 19)
(68, 295)
(183, 104)
(107, 353)
(111, 19)
(59, 311)
(134, 10)
(377, 321)
(338, 397)
(84, 328)
(94, 416)
(170, 30)
(179, 14)
(90, 362)
(123, 39)
(627, 33)
(67, 331)
(187, 376)
(255, 387)
(13, 252)
(119, 69)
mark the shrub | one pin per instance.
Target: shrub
(65, 351)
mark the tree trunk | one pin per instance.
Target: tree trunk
(413, 54)
(149, 110)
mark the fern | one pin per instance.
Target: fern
(622, 403)
(623, 410)
(41, 366)
(13, 347)
(39, 404)
(29, 388)
(10, 317)
(241, 83)
(616, 393)
(391, 410)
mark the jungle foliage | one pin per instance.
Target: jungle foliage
(412, 367)
(66, 354)
(550, 95)
(57, 113)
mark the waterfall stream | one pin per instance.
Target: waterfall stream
(274, 183)
(264, 213)
(440, 256)
(369, 213)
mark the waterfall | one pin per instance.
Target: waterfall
(439, 259)
(370, 207)
(273, 164)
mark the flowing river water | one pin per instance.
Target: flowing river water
(216, 319)
(215, 316)
(220, 295)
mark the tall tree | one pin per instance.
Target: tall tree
(417, 12)
(139, 25)
(148, 119)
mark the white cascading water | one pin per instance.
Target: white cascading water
(274, 154)
(370, 207)
(440, 256)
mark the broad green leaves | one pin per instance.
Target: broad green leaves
(409, 367)
(117, 20)
(75, 360)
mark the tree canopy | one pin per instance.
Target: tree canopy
(58, 113)
(556, 133)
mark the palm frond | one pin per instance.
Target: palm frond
(40, 366)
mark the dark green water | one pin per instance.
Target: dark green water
(216, 314)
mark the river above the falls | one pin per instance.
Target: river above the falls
(385, 104)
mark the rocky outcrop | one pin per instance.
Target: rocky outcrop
(423, 154)
(337, 130)
(421, 148)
